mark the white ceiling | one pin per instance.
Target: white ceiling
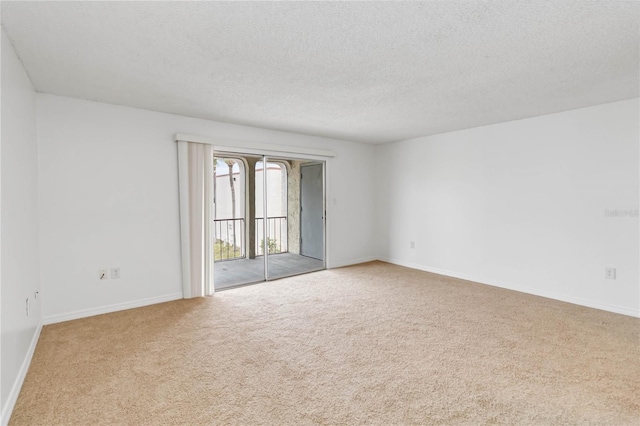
(365, 71)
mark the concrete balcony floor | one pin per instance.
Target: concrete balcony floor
(232, 273)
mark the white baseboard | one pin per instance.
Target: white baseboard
(52, 319)
(351, 262)
(22, 374)
(536, 292)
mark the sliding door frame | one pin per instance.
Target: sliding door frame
(238, 153)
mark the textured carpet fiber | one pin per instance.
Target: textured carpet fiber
(372, 343)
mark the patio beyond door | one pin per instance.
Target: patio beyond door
(259, 218)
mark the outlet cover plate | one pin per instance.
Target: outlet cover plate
(115, 273)
(610, 273)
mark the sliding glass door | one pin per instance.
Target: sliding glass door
(269, 218)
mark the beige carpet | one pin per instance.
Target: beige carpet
(373, 343)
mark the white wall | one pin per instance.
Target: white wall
(19, 226)
(109, 197)
(521, 205)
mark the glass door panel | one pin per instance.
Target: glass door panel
(235, 198)
(295, 221)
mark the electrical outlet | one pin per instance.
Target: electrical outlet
(27, 306)
(102, 274)
(35, 295)
(610, 273)
(115, 273)
(412, 244)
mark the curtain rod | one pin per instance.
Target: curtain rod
(224, 144)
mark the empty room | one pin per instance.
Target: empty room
(288, 213)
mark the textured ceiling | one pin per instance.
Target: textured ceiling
(365, 71)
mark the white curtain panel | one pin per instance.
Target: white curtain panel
(195, 173)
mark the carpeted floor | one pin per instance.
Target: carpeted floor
(372, 343)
